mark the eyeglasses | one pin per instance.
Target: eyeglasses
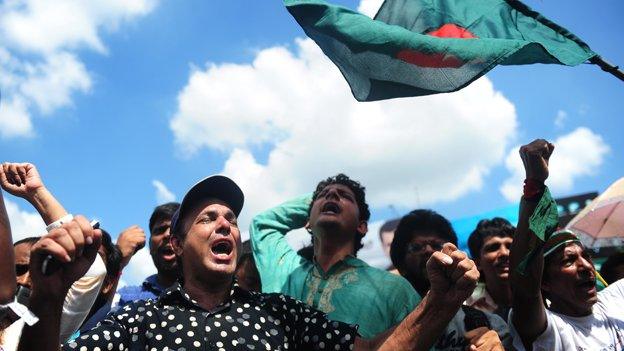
(21, 269)
(420, 247)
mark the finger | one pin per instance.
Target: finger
(438, 261)
(551, 148)
(468, 281)
(471, 334)
(448, 248)
(3, 175)
(91, 251)
(47, 246)
(21, 172)
(74, 231)
(62, 237)
(490, 337)
(14, 174)
(85, 228)
(460, 269)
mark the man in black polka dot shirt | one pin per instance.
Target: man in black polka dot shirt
(208, 310)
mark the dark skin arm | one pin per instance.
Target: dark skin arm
(7, 262)
(529, 315)
(453, 277)
(75, 244)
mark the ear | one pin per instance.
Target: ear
(362, 228)
(108, 284)
(176, 244)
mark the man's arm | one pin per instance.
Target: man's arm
(529, 316)
(75, 245)
(7, 262)
(23, 180)
(274, 257)
(453, 277)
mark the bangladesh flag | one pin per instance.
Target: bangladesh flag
(421, 47)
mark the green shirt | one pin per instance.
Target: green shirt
(351, 291)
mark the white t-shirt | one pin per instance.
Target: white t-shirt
(602, 330)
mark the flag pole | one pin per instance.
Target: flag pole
(607, 67)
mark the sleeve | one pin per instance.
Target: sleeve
(406, 293)
(110, 334)
(314, 331)
(81, 297)
(274, 257)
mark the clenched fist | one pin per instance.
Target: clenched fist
(20, 179)
(453, 276)
(131, 240)
(535, 158)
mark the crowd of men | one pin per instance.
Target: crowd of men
(514, 291)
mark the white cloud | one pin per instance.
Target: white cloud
(23, 223)
(140, 267)
(38, 53)
(405, 151)
(560, 119)
(579, 153)
(163, 194)
(369, 7)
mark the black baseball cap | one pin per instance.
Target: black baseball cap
(217, 187)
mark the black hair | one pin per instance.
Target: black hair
(497, 226)
(113, 255)
(415, 223)
(306, 252)
(389, 226)
(607, 271)
(360, 198)
(30, 240)
(163, 212)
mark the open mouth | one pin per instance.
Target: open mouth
(330, 208)
(587, 284)
(167, 253)
(222, 249)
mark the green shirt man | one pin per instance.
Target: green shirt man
(351, 291)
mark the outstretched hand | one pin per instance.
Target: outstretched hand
(452, 275)
(75, 245)
(20, 179)
(535, 158)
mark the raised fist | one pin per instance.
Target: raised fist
(130, 241)
(74, 245)
(535, 157)
(453, 276)
(20, 179)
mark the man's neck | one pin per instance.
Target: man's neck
(210, 294)
(570, 310)
(328, 251)
(166, 278)
(500, 292)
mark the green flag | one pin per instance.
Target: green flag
(421, 47)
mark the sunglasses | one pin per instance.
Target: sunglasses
(420, 247)
(21, 269)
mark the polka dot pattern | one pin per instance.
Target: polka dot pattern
(246, 321)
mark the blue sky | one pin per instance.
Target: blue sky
(107, 99)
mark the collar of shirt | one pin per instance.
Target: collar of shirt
(176, 295)
(347, 262)
(151, 284)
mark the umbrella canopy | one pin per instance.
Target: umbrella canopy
(603, 218)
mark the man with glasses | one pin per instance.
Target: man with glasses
(418, 236)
